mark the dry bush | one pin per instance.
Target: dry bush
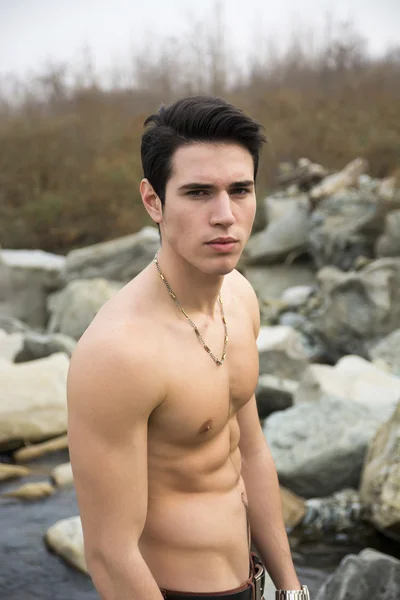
(69, 144)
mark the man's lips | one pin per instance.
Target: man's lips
(223, 240)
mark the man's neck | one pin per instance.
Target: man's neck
(197, 292)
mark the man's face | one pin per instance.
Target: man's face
(209, 200)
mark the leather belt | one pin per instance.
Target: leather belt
(257, 584)
(246, 594)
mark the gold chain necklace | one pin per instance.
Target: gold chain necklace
(218, 361)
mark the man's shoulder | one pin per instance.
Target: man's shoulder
(240, 289)
(239, 284)
(116, 353)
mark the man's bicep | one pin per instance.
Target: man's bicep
(107, 428)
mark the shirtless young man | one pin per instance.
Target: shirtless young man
(166, 447)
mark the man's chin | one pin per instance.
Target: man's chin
(225, 265)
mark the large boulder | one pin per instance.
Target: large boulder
(319, 448)
(380, 481)
(368, 575)
(27, 276)
(282, 236)
(354, 379)
(73, 308)
(387, 350)
(359, 307)
(33, 403)
(343, 227)
(281, 352)
(117, 260)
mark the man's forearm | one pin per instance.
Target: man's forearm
(266, 519)
(125, 578)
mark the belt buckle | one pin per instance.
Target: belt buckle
(259, 580)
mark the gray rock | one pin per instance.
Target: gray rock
(368, 575)
(282, 236)
(73, 308)
(340, 514)
(359, 307)
(380, 482)
(291, 319)
(388, 244)
(274, 393)
(27, 276)
(344, 227)
(319, 448)
(281, 352)
(10, 344)
(33, 404)
(387, 349)
(354, 379)
(116, 260)
(270, 281)
(11, 325)
(37, 345)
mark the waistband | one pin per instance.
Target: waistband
(251, 589)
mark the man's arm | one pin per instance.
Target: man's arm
(111, 394)
(261, 480)
(265, 506)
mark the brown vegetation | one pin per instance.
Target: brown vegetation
(69, 144)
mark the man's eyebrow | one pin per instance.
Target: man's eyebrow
(210, 186)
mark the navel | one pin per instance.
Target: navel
(206, 426)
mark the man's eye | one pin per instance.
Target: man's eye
(196, 193)
(240, 191)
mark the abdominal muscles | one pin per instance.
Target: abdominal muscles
(196, 520)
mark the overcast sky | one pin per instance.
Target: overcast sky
(33, 31)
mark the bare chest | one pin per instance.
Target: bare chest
(202, 396)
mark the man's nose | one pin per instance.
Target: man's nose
(222, 210)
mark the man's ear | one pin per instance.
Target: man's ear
(151, 201)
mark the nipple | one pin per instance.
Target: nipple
(206, 427)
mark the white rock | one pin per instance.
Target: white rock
(62, 475)
(10, 344)
(354, 379)
(66, 539)
(297, 296)
(345, 178)
(33, 399)
(33, 259)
